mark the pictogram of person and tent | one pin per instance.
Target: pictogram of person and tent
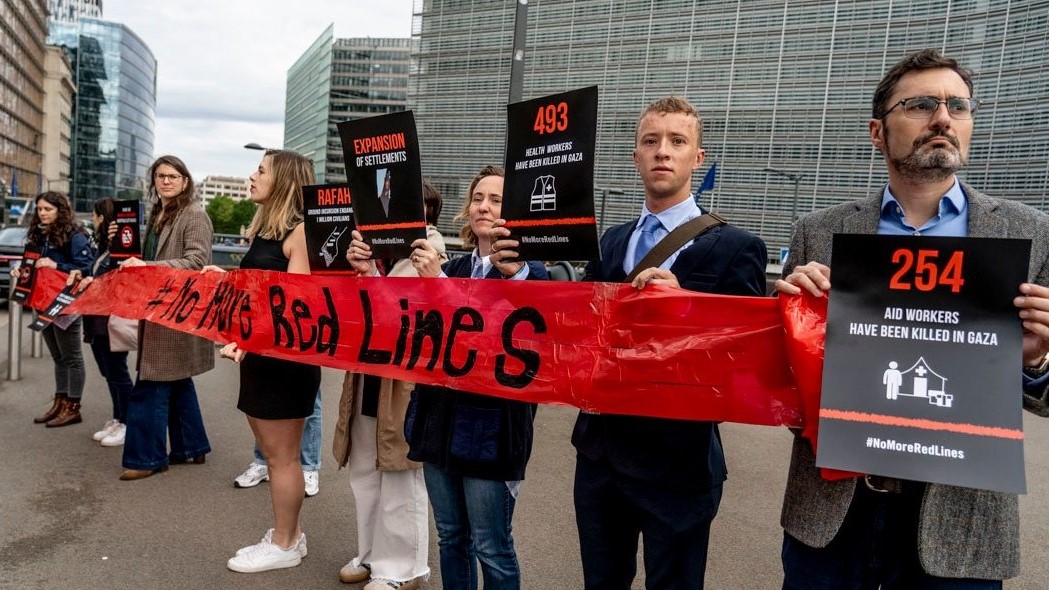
(924, 383)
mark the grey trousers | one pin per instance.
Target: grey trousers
(65, 349)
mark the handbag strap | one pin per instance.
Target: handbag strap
(672, 242)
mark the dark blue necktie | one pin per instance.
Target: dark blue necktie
(647, 240)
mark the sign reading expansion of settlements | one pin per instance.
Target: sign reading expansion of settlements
(922, 378)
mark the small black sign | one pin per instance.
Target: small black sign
(329, 223)
(382, 170)
(548, 193)
(26, 275)
(921, 377)
(63, 300)
(127, 242)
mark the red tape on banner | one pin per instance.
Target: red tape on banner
(600, 347)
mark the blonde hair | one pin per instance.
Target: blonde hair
(466, 234)
(672, 104)
(282, 211)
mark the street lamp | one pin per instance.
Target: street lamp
(254, 146)
(796, 179)
(604, 201)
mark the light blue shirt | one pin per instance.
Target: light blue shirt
(486, 267)
(683, 212)
(952, 219)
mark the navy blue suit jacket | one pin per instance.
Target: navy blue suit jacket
(674, 453)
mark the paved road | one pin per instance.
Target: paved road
(67, 522)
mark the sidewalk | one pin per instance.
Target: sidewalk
(66, 521)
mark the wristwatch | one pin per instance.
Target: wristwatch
(1040, 369)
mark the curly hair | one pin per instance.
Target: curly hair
(58, 233)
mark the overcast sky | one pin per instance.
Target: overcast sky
(222, 67)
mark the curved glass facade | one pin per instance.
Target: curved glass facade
(781, 84)
(114, 110)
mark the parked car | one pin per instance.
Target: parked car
(12, 246)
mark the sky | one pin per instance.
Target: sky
(222, 67)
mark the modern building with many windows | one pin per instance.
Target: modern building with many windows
(23, 31)
(234, 187)
(71, 11)
(59, 93)
(115, 74)
(783, 85)
(339, 80)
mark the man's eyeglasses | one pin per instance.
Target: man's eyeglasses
(167, 177)
(923, 107)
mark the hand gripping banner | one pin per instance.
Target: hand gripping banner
(600, 347)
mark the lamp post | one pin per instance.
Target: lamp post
(254, 146)
(796, 179)
(604, 201)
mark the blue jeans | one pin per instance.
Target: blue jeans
(473, 523)
(310, 451)
(157, 410)
(113, 367)
(65, 349)
(876, 547)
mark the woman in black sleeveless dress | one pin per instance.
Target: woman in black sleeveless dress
(277, 395)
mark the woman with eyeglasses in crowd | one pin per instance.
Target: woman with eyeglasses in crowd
(277, 395)
(163, 403)
(65, 246)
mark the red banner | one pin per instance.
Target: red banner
(600, 347)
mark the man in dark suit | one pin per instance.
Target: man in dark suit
(646, 476)
(875, 531)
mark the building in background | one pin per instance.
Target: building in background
(23, 34)
(59, 93)
(339, 80)
(71, 11)
(781, 85)
(233, 187)
(115, 74)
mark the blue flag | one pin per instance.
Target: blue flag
(708, 180)
(14, 184)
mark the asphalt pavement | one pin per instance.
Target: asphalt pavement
(66, 521)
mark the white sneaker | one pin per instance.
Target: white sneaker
(355, 572)
(252, 476)
(313, 482)
(268, 538)
(265, 556)
(107, 429)
(116, 436)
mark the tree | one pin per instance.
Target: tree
(228, 216)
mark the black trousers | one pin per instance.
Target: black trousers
(613, 511)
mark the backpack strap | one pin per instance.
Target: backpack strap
(673, 241)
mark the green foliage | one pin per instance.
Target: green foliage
(228, 216)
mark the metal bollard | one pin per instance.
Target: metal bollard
(36, 344)
(14, 340)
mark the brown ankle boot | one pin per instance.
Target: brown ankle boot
(56, 405)
(68, 414)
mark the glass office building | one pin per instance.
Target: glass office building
(23, 31)
(114, 111)
(340, 80)
(785, 85)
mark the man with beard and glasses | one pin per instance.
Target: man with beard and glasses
(872, 532)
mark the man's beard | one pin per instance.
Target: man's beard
(933, 165)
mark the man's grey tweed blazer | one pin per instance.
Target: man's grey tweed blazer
(963, 533)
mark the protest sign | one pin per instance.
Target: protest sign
(921, 379)
(127, 242)
(329, 222)
(548, 193)
(382, 170)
